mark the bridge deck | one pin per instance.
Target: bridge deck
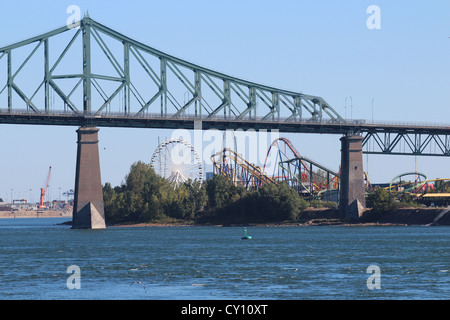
(217, 122)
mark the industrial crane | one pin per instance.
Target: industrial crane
(44, 190)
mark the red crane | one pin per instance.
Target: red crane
(44, 190)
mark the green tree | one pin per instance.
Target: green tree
(144, 196)
(129, 202)
(271, 203)
(280, 202)
(222, 192)
(157, 195)
(195, 198)
(135, 182)
(381, 202)
(114, 204)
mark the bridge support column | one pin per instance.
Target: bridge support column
(352, 202)
(88, 211)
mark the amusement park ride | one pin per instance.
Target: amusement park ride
(425, 191)
(306, 176)
(177, 161)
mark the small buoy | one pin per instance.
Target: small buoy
(246, 236)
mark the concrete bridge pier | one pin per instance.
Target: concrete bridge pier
(352, 201)
(88, 210)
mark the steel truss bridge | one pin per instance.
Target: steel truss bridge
(94, 76)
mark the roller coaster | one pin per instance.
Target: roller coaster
(419, 188)
(416, 186)
(231, 164)
(436, 191)
(306, 176)
(284, 164)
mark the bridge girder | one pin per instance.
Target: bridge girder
(407, 143)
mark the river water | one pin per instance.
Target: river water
(208, 263)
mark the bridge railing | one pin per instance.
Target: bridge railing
(187, 117)
(191, 117)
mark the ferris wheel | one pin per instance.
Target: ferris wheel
(177, 161)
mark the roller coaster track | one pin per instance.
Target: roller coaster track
(296, 170)
(433, 188)
(288, 144)
(440, 185)
(421, 189)
(316, 187)
(250, 175)
(301, 168)
(407, 187)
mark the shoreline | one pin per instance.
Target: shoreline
(259, 225)
(327, 217)
(310, 217)
(35, 214)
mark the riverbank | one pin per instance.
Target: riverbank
(414, 216)
(330, 222)
(330, 217)
(401, 216)
(35, 214)
(309, 217)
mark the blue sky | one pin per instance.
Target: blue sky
(321, 48)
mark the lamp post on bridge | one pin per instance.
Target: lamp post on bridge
(372, 109)
(345, 115)
(351, 108)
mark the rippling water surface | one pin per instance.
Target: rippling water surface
(281, 263)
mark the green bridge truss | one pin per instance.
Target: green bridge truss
(93, 75)
(112, 73)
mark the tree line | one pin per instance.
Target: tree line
(144, 196)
